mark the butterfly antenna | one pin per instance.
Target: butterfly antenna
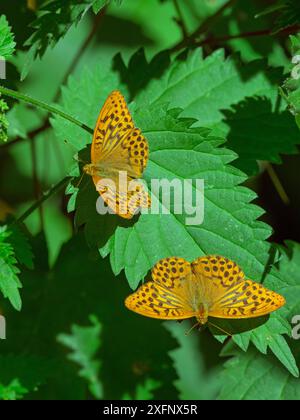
(191, 329)
(220, 329)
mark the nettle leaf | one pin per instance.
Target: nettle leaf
(9, 281)
(99, 4)
(68, 300)
(54, 20)
(291, 86)
(3, 121)
(144, 391)
(206, 87)
(13, 391)
(289, 268)
(14, 249)
(250, 376)
(180, 150)
(259, 133)
(196, 380)
(84, 342)
(21, 246)
(7, 43)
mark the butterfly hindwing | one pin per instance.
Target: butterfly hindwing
(156, 301)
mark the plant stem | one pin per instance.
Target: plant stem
(179, 20)
(263, 32)
(36, 183)
(42, 199)
(43, 105)
(46, 124)
(204, 27)
(82, 49)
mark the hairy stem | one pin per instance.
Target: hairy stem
(204, 27)
(21, 97)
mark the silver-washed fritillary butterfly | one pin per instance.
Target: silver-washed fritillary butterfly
(211, 286)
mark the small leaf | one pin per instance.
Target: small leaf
(85, 343)
(251, 376)
(7, 43)
(9, 281)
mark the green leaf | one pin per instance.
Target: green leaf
(54, 20)
(21, 246)
(143, 391)
(13, 391)
(287, 11)
(84, 342)
(9, 281)
(14, 248)
(99, 4)
(206, 87)
(289, 268)
(54, 299)
(239, 19)
(7, 43)
(291, 87)
(250, 376)
(22, 374)
(3, 121)
(196, 363)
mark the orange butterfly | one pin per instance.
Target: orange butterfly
(209, 287)
(118, 147)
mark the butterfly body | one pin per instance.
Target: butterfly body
(119, 153)
(209, 287)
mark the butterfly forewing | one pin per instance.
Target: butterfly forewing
(224, 288)
(166, 297)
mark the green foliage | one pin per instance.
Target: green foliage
(250, 376)
(84, 343)
(21, 375)
(133, 349)
(14, 248)
(13, 391)
(3, 121)
(7, 43)
(207, 89)
(9, 281)
(54, 20)
(178, 151)
(7, 48)
(196, 362)
(291, 87)
(287, 14)
(216, 92)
